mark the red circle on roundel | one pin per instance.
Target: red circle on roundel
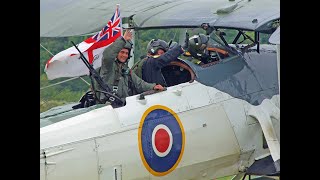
(162, 140)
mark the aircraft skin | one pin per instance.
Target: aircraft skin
(214, 124)
(154, 14)
(204, 129)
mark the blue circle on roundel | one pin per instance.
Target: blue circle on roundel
(154, 118)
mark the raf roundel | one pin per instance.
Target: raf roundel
(161, 140)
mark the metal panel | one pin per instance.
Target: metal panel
(248, 136)
(121, 149)
(74, 161)
(42, 166)
(196, 94)
(217, 96)
(209, 135)
(113, 173)
(88, 125)
(174, 98)
(210, 144)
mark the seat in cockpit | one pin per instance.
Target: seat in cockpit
(177, 72)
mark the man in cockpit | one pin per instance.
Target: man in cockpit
(201, 51)
(158, 56)
(116, 74)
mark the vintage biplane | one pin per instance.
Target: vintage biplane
(217, 119)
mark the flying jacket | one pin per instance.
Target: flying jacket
(111, 68)
(151, 68)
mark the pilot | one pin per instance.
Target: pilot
(197, 48)
(115, 73)
(201, 51)
(158, 56)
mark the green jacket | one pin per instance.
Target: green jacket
(111, 68)
(137, 67)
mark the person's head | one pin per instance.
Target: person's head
(157, 47)
(124, 53)
(197, 44)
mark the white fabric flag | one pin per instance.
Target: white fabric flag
(67, 63)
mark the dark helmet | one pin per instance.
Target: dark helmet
(197, 44)
(155, 44)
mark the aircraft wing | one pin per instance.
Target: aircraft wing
(59, 18)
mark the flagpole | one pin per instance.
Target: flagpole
(118, 8)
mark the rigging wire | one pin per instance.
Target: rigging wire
(46, 49)
(84, 81)
(58, 83)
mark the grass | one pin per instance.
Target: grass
(46, 105)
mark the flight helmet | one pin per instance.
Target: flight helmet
(128, 46)
(198, 44)
(155, 44)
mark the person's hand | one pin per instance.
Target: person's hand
(158, 87)
(127, 35)
(173, 45)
